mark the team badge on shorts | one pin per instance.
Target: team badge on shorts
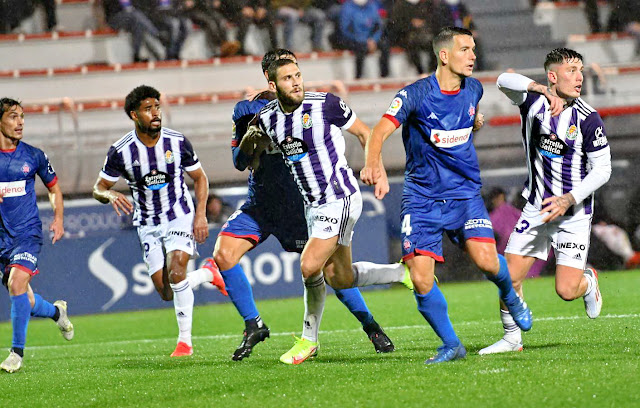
(168, 157)
(306, 121)
(406, 244)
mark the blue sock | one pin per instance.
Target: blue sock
(42, 308)
(503, 282)
(240, 292)
(433, 306)
(353, 300)
(20, 310)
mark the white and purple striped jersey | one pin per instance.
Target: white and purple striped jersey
(313, 146)
(155, 175)
(559, 150)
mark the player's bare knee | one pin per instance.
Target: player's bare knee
(566, 292)
(309, 268)
(421, 284)
(224, 258)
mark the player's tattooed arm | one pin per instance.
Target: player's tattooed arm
(556, 104)
(57, 225)
(557, 206)
(201, 188)
(103, 193)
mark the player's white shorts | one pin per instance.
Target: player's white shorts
(569, 236)
(335, 218)
(174, 235)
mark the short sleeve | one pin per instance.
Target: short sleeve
(188, 156)
(403, 104)
(45, 170)
(337, 112)
(593, 133)
(113, 166)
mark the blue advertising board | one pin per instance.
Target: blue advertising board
(98, 266)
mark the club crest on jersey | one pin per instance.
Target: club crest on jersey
(25, 168)
(294, 149)
(168, 157)
(552, 146)
(472, 111)
(156, 180)
(572, 132)
(306, 121)
(395, 106)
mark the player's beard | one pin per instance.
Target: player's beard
(290, 101)
(151, 130)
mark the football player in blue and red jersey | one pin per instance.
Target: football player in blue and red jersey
(442, 183)
(21, 229)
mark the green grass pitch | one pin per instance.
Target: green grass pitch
(122, 360)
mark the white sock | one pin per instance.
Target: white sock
(183, 303)
(199, 276)
(315, 292)
(368, 273)
(512, 332)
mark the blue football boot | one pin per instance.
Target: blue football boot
(520, 312)
(446, 353)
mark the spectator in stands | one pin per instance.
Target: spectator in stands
(293, 11)
(361, 29)
(217, 210)
(202, 13)
(12, 12)
(408, 29)
(462, 18)
(261, 14)
(625, 16)
(50, 13)
(504, 217)
(172, 26)
(121, 15)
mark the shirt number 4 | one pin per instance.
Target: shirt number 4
(406, 225)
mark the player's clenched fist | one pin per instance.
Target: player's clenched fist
(370, 175)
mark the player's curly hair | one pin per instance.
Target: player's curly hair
(6, 104)
(139, 94)
(276, 54)
(559, 55)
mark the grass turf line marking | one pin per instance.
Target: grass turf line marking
(421, 326)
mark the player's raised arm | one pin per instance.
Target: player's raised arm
(201, 188)
(516, 87)
(103, 193)
(57, 204)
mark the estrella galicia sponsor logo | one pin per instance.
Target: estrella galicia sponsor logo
(294, 149)
(477, 223)
(183, 234)
(601, 138)
(156, 179)
(571, 245)
(552, 146)
(324, 218)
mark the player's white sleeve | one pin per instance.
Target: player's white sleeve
(600, 162)
(514, 86)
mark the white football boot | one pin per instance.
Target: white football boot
(12, 363)
(66, 328)
(593, 299)
(501, 346)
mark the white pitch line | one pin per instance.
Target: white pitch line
(236, 335)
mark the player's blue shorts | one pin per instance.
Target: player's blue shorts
(19, 252)
(257, 225)
(424, 224)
